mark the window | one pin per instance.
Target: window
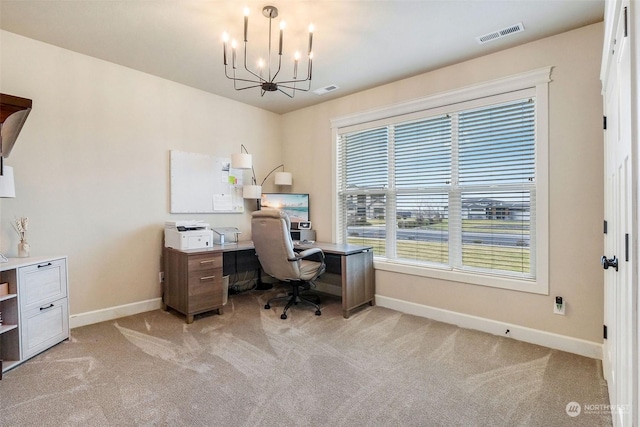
(450, 191)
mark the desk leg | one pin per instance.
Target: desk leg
(260, 285)
(358, 286)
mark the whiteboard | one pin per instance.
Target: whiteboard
(204, 184)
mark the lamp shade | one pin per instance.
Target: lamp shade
(241, 161)
(283, 178)
(251, 191)
(7, 184)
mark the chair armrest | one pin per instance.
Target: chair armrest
(310, 251)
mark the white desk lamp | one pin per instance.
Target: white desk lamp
(7, 190)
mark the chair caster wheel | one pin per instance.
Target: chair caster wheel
(267, 306)
(318, 312)
(283, 316)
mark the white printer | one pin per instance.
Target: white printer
(188, 234)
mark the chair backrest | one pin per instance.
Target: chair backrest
(270, 232)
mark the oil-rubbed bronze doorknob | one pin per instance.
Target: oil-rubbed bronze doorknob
(606, 263)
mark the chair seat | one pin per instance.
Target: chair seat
(309, 269)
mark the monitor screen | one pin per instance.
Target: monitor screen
(295, 205)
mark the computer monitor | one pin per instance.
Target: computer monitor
(296, 205)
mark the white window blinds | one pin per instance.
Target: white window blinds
(455, 190)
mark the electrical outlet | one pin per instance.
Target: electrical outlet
(161, 277)
(559, 305)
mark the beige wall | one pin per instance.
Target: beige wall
(92, 164)
(92, 171)
(576, 181)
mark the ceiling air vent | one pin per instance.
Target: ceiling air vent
(517, 28)
(325, 89)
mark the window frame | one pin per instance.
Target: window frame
(535, 83)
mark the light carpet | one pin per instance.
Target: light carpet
(248, 367)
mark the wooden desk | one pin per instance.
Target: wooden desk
(193, 278)
(352, 265)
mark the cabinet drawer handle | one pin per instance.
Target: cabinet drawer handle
(207, 277)
(46, 308)
(208, 261)
(44, 265)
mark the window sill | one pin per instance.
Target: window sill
(514, 284)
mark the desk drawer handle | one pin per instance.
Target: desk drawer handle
(46, 308)
(207, 261)
(208, 278)
(44, 265)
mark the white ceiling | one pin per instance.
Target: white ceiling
(357, 44)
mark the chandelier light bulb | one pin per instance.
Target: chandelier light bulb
(311, 28)
(246, 22)
(225, 39)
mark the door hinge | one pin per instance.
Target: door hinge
(626, 23)
(604, 331)
(604, 122)
(605, 226)
(626, 247)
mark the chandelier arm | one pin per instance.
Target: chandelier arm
(294, 87)
(308, 79)
(289, 95)
(246, 87)
(234, 78)
(279, 66)
(288, 84)
(260, 79)
(293, 81)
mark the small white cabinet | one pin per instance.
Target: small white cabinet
(37, 307)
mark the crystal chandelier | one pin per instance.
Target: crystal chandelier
(264, 77)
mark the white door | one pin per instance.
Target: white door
(621, 231)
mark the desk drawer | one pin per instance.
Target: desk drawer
(204, 262)
(205, 290)
(201, 281)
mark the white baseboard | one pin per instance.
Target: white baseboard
(97, 316)
(534, 336)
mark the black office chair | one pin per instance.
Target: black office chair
(270, 231)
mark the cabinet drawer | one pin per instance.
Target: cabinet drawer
(43, 283)
(204, 281)
(44, 326)
(205, 290)
(204, 262)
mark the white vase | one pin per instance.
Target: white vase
(24, 249)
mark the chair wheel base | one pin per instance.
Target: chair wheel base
(318, 312)
(267, 306)
(283, 316)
